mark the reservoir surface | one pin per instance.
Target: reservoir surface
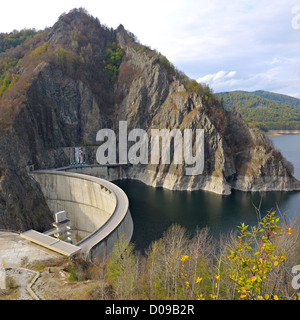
(154, 210)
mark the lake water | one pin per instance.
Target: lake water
(155, 209)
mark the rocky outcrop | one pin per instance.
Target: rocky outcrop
(63, 109)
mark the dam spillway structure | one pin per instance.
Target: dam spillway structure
(97, 210)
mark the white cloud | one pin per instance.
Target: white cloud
(231, 74)
(269, 80)
(218, 79)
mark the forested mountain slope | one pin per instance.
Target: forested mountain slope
(265, 110)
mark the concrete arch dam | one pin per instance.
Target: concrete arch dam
(97, 209)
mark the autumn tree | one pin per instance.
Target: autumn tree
(122, 269)
(164, 265)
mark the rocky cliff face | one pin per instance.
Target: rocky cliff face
(236, 156)
(74, 92)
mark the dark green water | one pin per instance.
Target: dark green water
(155, 209)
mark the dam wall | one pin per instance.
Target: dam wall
(97, 209)
(108, 172)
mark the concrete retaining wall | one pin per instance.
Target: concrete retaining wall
(98, 210)
(109, 173)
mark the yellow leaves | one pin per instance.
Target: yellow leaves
(187, 283)
(244, 292)
(198, 280)
(289, 230)
(184, 258)
(217, 277)
(267, 297)
(253, 257)
(297, 297)
(183, 275)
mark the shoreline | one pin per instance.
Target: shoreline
(281, 132)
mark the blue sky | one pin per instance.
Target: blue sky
(229, 44)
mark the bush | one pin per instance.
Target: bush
(112, 60)
(122, 269)
(72, 273)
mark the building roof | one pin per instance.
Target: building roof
(51, 243)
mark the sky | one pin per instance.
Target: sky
(228, 44)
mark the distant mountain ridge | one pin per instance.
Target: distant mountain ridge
(278, 97)
(263, 109)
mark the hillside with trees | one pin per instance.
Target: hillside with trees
(265, 110)
(15, 38)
